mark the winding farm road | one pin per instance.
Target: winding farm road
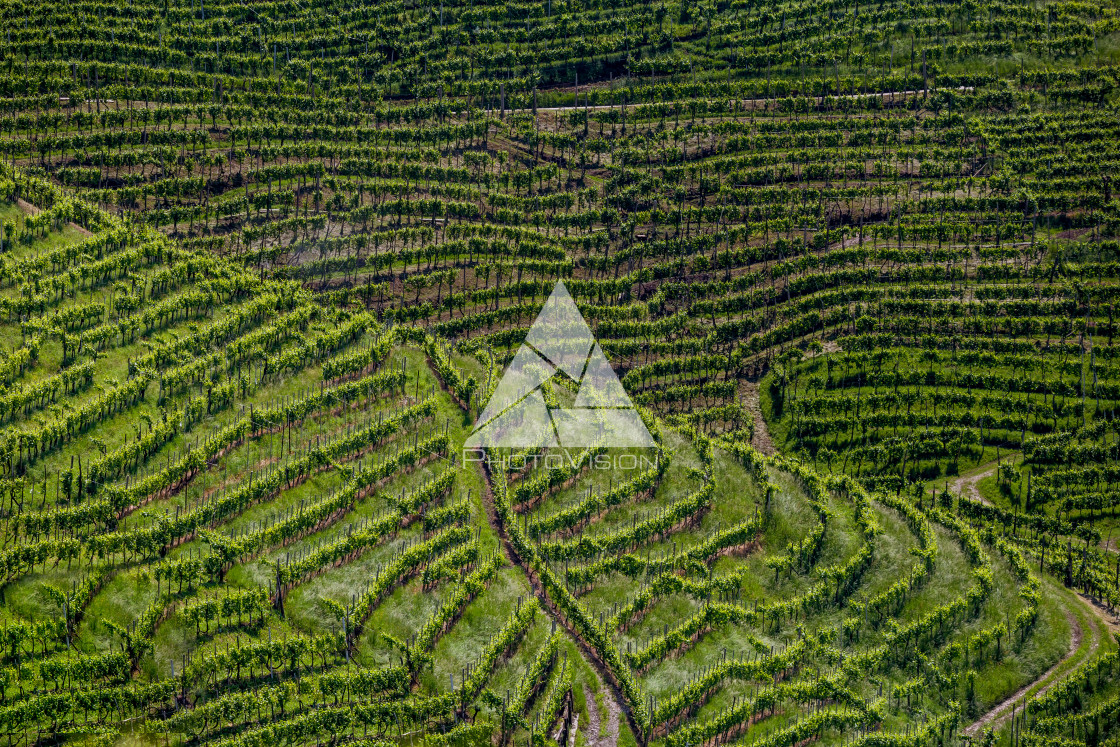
(996, 716)
(594, 735)
(970, 481)
(1101, 623)
(612, 697)
(761, 440)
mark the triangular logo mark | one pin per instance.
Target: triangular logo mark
(525, 374)
(560, 334)
(524, 425)
(600, 386)
(518, 417)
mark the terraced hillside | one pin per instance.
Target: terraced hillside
(264, 263)
(232, 516)
(728, 179)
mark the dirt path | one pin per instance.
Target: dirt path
(1108, 619)
(996, 716)
(1101, 620)
(611, 694)
(967, 483)
(751, 398)
(594, 735)
(593, 720)
(761, 440)
(30, 209)
(27, 207)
